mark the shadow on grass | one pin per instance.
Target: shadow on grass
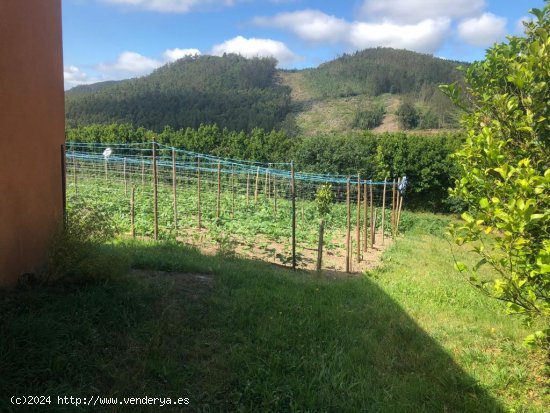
(256, 338)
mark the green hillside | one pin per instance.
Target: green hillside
(364, 90)
(231, 91)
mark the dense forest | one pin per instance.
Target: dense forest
(242, 94)
(382, 70)
(232, 91)
(424, 159)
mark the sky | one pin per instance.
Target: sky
(119, 39)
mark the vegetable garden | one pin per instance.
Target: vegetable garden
(266, 211)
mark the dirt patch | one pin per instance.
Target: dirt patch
(279, 252)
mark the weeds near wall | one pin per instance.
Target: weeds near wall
(79, 251)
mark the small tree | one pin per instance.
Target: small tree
(407, 115)
(323, 198)
(505, 175)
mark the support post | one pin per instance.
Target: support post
(74, 178)
(247, 189)
(274, 184)
(256, 189)
(174, 189)
(125, 180)
(366, 217)
(219, 190)
(399, 212)
(64, 184)
(132, 212)
(155, 194)
(358, 223)
(320, 246)
(293, 195)
(199, 213)
(384, 209)
(232, 192)
(372, 223)
(348, 227)
(393, 209)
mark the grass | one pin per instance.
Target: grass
(247, 336)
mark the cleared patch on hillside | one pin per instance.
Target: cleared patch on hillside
(316, 115)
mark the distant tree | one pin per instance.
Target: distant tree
(505, 175)
(407, 115)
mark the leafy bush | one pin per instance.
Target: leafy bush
(77, 250)
(407, 115)
(369, 118)
(425, 160)
(504, 171)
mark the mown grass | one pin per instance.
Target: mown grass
(411, 336)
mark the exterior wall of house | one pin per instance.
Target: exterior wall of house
(31, 132)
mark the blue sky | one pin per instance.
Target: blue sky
(117, 39)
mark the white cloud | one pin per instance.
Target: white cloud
(74, 76)
(316, 26)
(256, 48)
(414, 11)
(131, 63)
(482, 31)
(311, 25)
(426, 36)
(172, 55)
(172, 6)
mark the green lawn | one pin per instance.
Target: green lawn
(246, 336)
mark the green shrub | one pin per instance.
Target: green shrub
(504, 171)
(407, 115)
(369, 118)
(78, 251)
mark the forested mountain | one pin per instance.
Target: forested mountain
(357, 91)
(230, 91)
(381, 70)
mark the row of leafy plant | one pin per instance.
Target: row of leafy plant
(425, 160)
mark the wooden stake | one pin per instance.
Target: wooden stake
(256, 190)
(125, 180)
(269, 182)
(275, 196)
(383, 209)
(399, 212)
(219, 190)
(199, 216)
(64, 183)
(366, 219)
(247, 189)
(132, 213)
(155, 194)
(320, 246)
(372, 223)
(106, 168)
(393, 209)
(143, 172)
(232, 192)
(348, 227)
(358, 223)
(74, 178)
(266, 181)
(293, 194)
(174, 189)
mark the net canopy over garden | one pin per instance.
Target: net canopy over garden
(268, 211)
